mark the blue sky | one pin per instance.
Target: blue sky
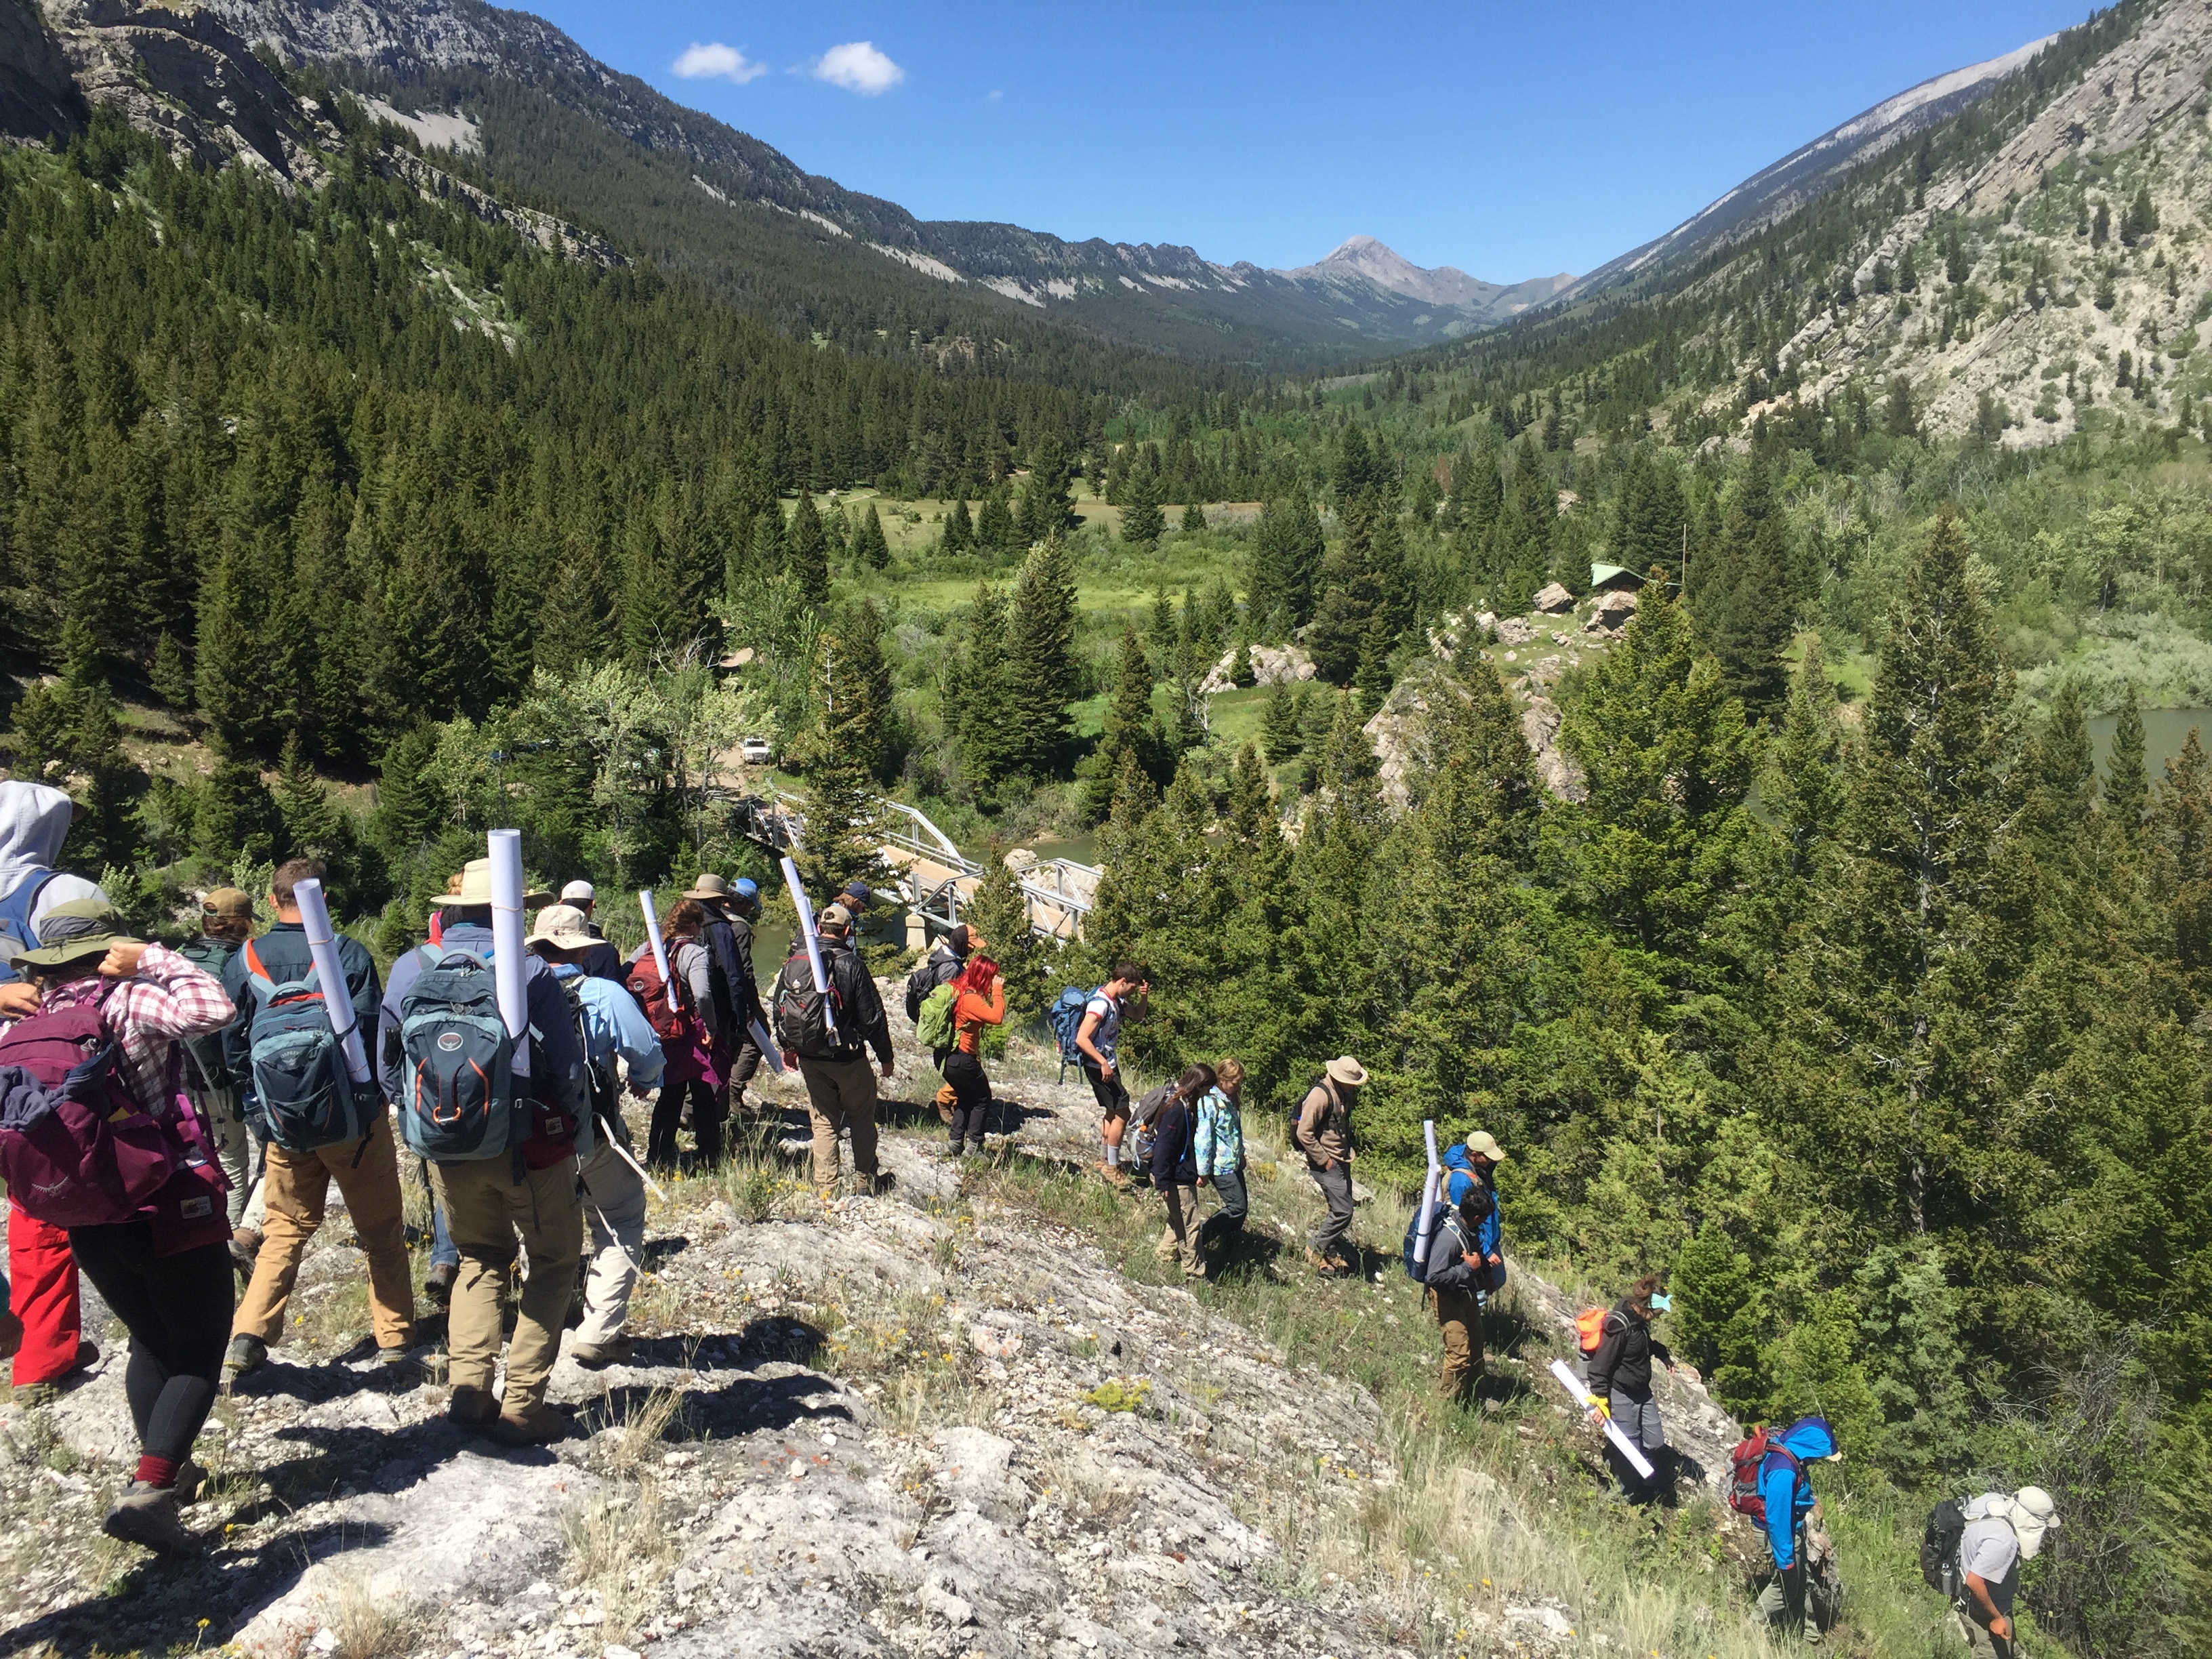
(1509, 140)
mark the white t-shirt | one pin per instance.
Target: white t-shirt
(1990, 1551)
(1107, 1032)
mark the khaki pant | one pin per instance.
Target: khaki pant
(1459, 1317)
(295, 1187)
(485, 1207)
(1179, 1238)
(1980, 1640)
(614, 1209)
(237, 1148)
(840, 1094)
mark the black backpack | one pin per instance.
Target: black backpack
(598, 1073)
(1939, 1546)
(799, 1022)
(935, 970)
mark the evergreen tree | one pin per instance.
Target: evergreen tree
(844, 815)
(1041, 660)
(1129, 730)
(1000, 912)
(313, 826)
(1280, 737)
(2127, 778)
(807, 549)
(870, 549)
(409, 813)
(976, 700)
(172, 675)
(1648, 529)
(860, 636)
(1046, 508)
(1142, 521)
(959, 529)
(1194, 518)
(994, 526)
(236, 815)
(1287, 550)
(1805, 791)
(1745, 608)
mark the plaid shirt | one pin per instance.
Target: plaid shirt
(167, 998)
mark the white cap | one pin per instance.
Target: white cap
(578, 892)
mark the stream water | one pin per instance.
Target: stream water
(2165, 730)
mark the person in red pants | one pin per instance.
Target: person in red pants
(42, 1277)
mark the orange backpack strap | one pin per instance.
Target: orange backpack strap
(253, 964)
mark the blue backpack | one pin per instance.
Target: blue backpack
(457, 1100)
(16, 931)
(303, 1095)
(1066, 1019)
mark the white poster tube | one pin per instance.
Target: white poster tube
(1582, 1397)
(762, 1042)
(1428, 1196)
(507, 965)
(653, 937)
(330, 974)
(813, 942)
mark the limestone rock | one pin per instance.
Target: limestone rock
(1516, 631)
(1271, 665)
(1539, 724)
(1611, 613)
(1553, 599)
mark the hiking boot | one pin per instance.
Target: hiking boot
(533, 1425)
(1323, 1264)
(147, 1515)
(1113, 1175)
(31, 1394)
(393, 1358)
(615, 1351)
(247, 1353)
(245, 1247)
(88, 1354)
(438, 1283)
(471, 1408)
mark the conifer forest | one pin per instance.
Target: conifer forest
(1799, 939)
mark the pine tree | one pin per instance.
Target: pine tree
(860, 636)
(1129, 730)
(1142, 521)
(236, 816)
(1000, 912)
(839, 756)
(1649, 528)
(1745, 608)
(994, 526)
(1041, 660)
(313, 825)
(1279, 734)
(409, 813)
(870, 548)
(1045, 510)
(1194, 518)
(1805, 791)
(807, 549)
(976, 699)
(172, 675)
(2127, 777)
(959, 529)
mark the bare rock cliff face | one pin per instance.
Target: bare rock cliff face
(39, 99)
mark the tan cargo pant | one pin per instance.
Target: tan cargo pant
(295, 1188)
(485, 1207)
(840, 1094)
(1179, 1238)
(614, 1206)
(1459, 1317)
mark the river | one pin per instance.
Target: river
(2165, 730)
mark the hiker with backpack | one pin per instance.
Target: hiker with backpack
(940, 967)
(831, 1052)
(502, 1141)
(1771, 1483)
(729, 908)
(601, 960)
(317, 1125)
(1322, 1129)
(226, 923)
(978, 999)
(1973, 1551)
(1217, 1154)
(691, 1038)
(1456, 1272)
(1619, 1377)
(118, 1157)
(1097, 1045)
(612, 1027)
(34, 821)
(1175, 1168)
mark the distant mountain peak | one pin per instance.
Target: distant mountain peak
(1369, 260)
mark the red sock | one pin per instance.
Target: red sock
(156, 1471)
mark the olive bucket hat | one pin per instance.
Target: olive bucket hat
(70, 931)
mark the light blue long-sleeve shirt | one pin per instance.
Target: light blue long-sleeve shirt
(615, 1025)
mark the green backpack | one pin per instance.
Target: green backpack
(933, 1027)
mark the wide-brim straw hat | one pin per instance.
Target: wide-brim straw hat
(563, 926)
(1346, 1070)
(472, 888)
(710, 888)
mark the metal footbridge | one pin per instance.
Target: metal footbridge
(937, 880)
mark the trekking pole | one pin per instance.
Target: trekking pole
(625, 1155)
(1589, 1402)
(337, 995)
(813, 943)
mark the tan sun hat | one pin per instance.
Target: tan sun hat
(472, 888)
(1483, 1144)
(835, 916)
(563, 927)
(710, 888)
(1347, 1071)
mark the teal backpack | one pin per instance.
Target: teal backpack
(303, 1095)
(458, 1100)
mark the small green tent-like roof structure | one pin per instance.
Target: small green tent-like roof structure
(1613, 577)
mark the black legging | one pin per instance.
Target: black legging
(177, 1309)
(707, 1111)
(971, 1097)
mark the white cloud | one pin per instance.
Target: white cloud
(702, 63)
(857, 66)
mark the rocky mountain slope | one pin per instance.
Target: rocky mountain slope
(1779, 188)
(965, 1416)
(1362, 261)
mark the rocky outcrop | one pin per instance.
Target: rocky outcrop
(1539, 724)
(39, 99)
(1553, 600)
(1271, 665)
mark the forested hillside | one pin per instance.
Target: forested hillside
(1844, 983)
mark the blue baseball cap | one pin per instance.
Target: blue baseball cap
(858, 891)
(747, 888)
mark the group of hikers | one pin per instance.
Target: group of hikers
(231, 1102)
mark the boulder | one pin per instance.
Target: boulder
(1611, 613)
(1271, 665)
(1553, 599)
(1516, 631)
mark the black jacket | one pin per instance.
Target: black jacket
(861, 1022)
(729, 942)
(1175, 1144)
(1622, 1364)
(283, 953)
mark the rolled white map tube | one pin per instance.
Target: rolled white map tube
(766, 1046)
(1588, 1401)
(509, 967)
(1428, 1197)
(813, 943)
(653, 936)
(330, 974)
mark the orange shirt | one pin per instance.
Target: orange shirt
(971, 1014)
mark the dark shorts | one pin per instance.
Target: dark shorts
(1113, 1099)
